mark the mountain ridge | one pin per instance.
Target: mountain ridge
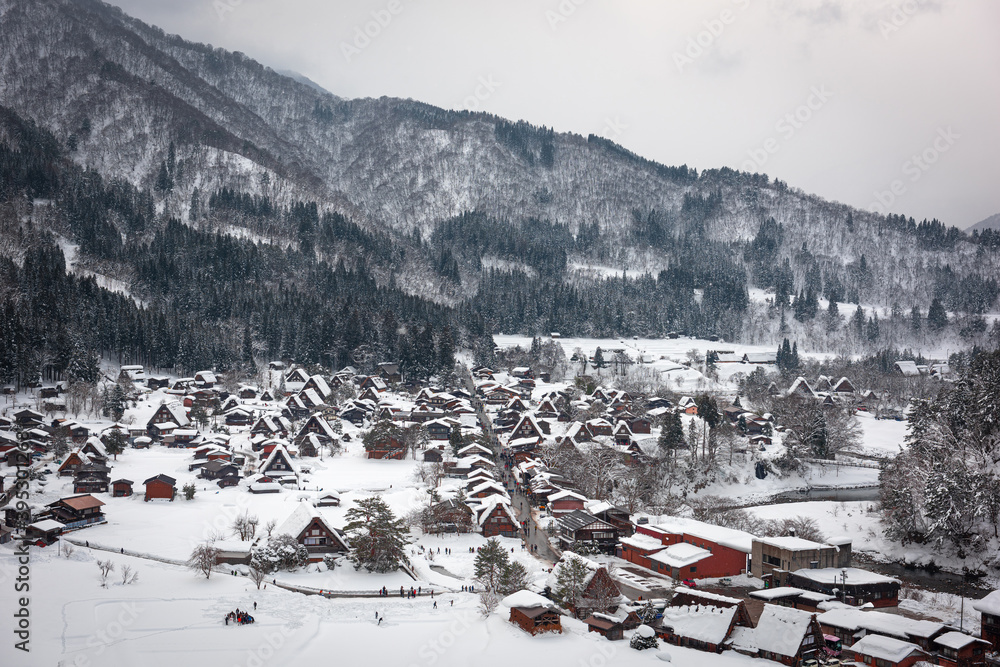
(223, 142)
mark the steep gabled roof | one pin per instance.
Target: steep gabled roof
(779, 630)
(301, 517)
(491, 503)
(278, 451)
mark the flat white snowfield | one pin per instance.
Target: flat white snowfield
(172, 617)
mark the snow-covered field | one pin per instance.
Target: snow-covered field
(881, 437)
(172, 617)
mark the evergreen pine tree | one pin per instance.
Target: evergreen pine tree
(378, 539)
(163, 183)
(446, 351)
(115, 402)
(872, 331)
(858, 322)
(490, 564)
(455, 440)
(672, 434)
(194, 211)
(572, 576)
(114, 442)
(937, 317)
(599, 361)
(915, 319)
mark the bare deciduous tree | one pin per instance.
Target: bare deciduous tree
(257, 575)
(203, 559)
(106, 567)
(129, 576)
(245, 526)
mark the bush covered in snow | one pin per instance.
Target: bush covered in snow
(644, 638)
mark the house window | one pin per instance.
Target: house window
(693, 569)
(314, 541)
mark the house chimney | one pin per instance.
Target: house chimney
(791, 532)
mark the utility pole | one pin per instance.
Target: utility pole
(844, 572)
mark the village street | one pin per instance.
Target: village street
(535, 538)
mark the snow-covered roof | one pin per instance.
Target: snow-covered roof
(233, 546)
(640, 541)
(955, 640)
(727, 537)
(488, 504)
(469, 461)
(279, 447)
(852, 619)
(597, 506)
(303, 515)
(565, 494)
(792, 543)
(45, 525)
(989, 604)
(95, 442)
(855, 576)
(321, 385)
(681, 554)
(800, 386)
(777, 593)
(705, 595)
(700, 622)
(779, 630)
(486, 485)
(265, 486)
(526, 599)
(886, 648)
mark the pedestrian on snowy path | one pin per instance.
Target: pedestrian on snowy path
(255, 605)
(435, 604)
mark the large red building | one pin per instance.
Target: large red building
(688, 549)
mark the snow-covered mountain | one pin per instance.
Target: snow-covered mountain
(992, 222)
(119, 92)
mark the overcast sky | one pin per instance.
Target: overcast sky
(868, 102)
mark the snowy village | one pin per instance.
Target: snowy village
(571, 333)
(493, 499)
